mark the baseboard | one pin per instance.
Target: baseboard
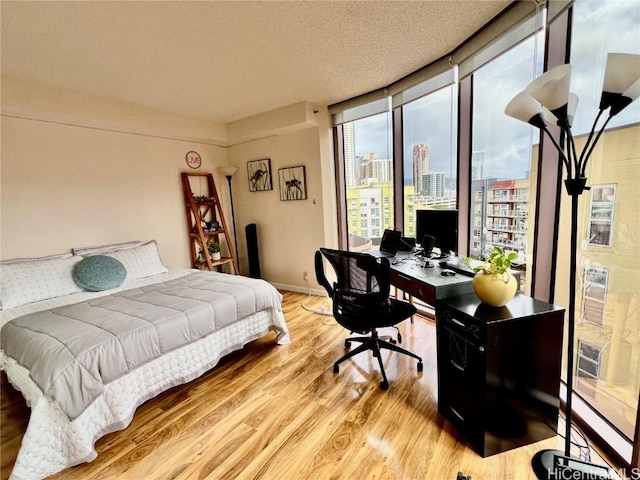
(299, 289)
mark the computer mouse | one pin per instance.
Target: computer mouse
(447, 273)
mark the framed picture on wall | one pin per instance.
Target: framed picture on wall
(293, 185)
(259, 172)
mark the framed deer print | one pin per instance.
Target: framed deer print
(293, 185)
(259, 172)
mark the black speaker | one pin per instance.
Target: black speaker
(427, 245)
(251, 231)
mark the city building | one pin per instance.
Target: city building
(420, 155)
(351, 172)
(500, 211)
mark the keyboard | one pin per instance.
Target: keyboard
(457, 265)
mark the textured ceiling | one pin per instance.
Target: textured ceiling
(224, 61)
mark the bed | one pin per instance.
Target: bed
(85, 360)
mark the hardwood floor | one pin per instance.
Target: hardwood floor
(278, 412)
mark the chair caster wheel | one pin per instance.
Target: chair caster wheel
(392, 341)
(347, 344)
(336, 369)
(384, 385)
(420, 366)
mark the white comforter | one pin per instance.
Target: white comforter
(43, 454)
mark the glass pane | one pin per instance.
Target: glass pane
(502, 188)
(607, 316)
(429, 156)
(369, 180)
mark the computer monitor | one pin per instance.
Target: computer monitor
(440, 224)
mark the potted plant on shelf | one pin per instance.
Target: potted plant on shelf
(214, 249)
(493, 283)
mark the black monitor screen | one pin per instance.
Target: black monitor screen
(440, 224)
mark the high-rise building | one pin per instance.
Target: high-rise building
(477, 165)
(433, 184)
(350, 163)
(374, 169)
(500, 211)
(420, 155)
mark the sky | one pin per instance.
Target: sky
(506, 142)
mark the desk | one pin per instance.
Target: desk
(427, 284)
(498, 368)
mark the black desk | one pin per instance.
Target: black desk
(426, 283)
(498, 368)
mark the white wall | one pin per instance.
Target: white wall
(79, 171)
(289, 232)
(84, 171)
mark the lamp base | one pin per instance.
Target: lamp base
(555, 465)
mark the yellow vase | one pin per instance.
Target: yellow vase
(495, 291)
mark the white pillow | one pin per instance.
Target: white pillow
(34, 259)
(104, 249)
(140, 262)
(32, 281)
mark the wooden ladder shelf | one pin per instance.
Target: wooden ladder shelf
(206, 223)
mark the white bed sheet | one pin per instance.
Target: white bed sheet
(43, 454)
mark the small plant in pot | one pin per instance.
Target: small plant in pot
(214, 249)
(493, 283)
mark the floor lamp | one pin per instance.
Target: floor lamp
(229, 172)
(547, 100)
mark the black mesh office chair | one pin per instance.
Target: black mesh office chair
(361, 302)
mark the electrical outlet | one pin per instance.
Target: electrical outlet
(305, 275)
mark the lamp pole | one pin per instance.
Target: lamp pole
(228, 172)
(233, 218)
(547, 100)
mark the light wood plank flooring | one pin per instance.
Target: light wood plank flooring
(279, 412)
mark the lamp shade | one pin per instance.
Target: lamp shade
(228, 171)
(572, 106)
(527, 109)
(549, 117)
(629, 96)
(551, 89)
(621, 72)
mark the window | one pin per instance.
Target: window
(429, 153)
(588, 360)
(368, 177)
(501, 156)
(609, 230)
(502, 153)
(603, 201)
(594, 294)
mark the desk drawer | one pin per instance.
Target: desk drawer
(413, 287)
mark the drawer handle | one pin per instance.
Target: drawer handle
(458, 322)
(408, 279)
(455, 412)
(457, 365)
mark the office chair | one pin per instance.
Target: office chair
(361, 303)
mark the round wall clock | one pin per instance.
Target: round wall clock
(193, 159)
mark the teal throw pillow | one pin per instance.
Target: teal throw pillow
(99, 272)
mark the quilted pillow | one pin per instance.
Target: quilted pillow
(142, 261)
(32, 281)
(99, 272)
